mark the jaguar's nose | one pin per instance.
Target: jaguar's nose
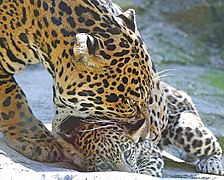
(143, 132)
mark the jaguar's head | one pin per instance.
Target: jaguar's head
(111, 73)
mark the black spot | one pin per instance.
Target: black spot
(19, 105)
(189, 135)
(23, 37)
(207, 141)
(207, 150)
(36, 13)
(33, 128)
(122, 53)
(106, 56)
(52, 10)
(54, 33)
(56, 21)
(67, 33)
(20, 139)
(7, 102)
(100, 90)
(18, 96)
(98, 100)
(83, 109)
(114, 31)
(65, 8)
(73, 100)
(24, 18)
(121, 88)
(99, 112)
(125, 80)
(98, 29)
(39, 24)
(24, 131)
(187, 148)
(8, 116)
(2, 44)
(45, 6)
(106, 84)
(89, 22)
(10, 89)
(112, 98)
(94, 84)
(134, 93)
(61, 90)
(118, 70)
(86, 93)
(113, 62)
(111, 47)
(83, 30)
(197, 143)
(199, 133)
(86, 105)
(71, 21)
(81, 76)
(124, 43)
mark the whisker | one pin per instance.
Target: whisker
(166, 70)
(93, 121)
(93, 129)
(143, 163)
(64, 120)
(162, 76)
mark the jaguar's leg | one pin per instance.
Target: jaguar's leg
(150, 160)
(188, 133)
(21, 130)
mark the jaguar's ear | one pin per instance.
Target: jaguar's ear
(85, 49)
(129, 19)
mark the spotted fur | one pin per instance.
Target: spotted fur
(100, 68)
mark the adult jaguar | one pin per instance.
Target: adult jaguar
(99, 64)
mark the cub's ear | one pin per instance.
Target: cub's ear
(85, 49)
(129, 19)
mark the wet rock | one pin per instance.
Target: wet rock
(138, 5)
(185, 32)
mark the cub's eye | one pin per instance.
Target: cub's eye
(103, 166)
(129, 156)
(130, 153)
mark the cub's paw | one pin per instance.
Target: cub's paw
(210, 165)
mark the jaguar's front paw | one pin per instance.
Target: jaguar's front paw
(210, 165)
